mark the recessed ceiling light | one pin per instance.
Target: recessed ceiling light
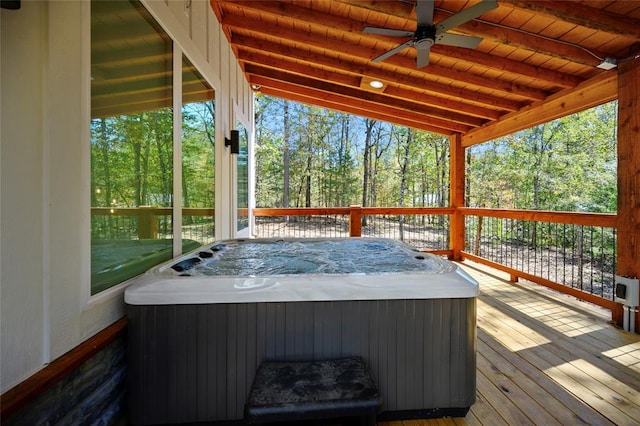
(372, 84)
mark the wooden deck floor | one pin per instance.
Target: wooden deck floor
(547, 359)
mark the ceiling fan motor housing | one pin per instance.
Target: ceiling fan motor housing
(425, 33)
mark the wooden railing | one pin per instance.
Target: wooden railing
(146, 222)
(523, 243)
(526, 239)
(146, 218)
(574, 253)
(424, 227)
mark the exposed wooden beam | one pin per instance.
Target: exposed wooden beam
(507, 65)
(498, 33)
(381, 73)
(468, 55)
(297, 13)
(351, 109)
(515, 79)
(354, 80)
(442, 103)
(400, 8)
(362, 106)
(279, 82)
(373, 98)
(595, 91)
(581, 14)
(335, 43)
(533, 43)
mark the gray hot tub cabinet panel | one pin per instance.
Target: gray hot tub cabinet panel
(190, 363)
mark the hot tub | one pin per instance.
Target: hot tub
(200, 325)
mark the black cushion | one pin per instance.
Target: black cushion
(285, 391)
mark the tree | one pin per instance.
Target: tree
(198, 155)
(568, 164)
(285, 155)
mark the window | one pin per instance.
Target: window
(243, 178)
(132, 146)
(198, 157)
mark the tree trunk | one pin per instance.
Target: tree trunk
(104, 145)
(104, 151)
(186, 220)
(378, 149)
(209, 125)
(286, 154)
(307, 183)
(404, 167)
(137, 172)
(366, 164)
(144, 173)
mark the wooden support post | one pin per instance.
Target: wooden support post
(456, 184)
(628, 249)
(355, 221)
(147, 223)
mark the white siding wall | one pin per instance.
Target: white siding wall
(46, 309)
(22, 201)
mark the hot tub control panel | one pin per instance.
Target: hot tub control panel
(627, 291)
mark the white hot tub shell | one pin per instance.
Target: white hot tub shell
(200, 325)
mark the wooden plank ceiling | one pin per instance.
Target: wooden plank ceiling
(531, 53)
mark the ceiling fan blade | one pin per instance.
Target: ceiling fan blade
(423, 50)
(466, 15)
(387, 32)
(424, 11)
(393, 51)
(458, 40)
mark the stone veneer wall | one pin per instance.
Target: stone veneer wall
(93, 394)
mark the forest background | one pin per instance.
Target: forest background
(312, 157)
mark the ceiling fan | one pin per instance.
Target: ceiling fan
(428, 33)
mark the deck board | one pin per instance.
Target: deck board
(546, 358)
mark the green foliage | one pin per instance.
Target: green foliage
(198, 154)
(132, 160)
(327, 152)
(568, 164)
(565, 165)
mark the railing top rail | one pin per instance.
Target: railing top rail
(407, 210)
(607, 220)
(301, 211)
(135, 211)
(304, 211)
